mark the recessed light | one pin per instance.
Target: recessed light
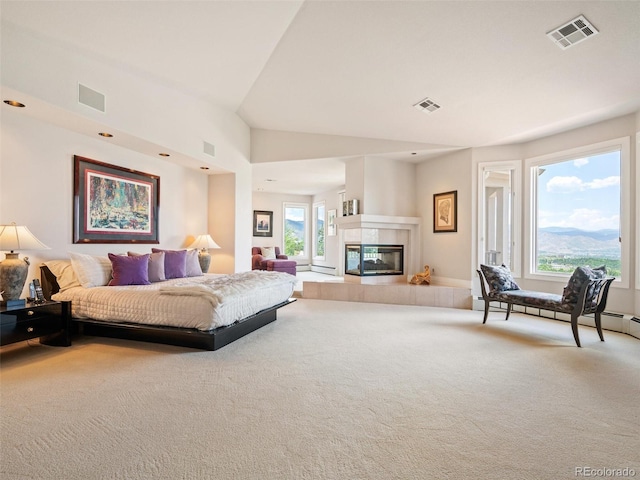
(105, 134)
(204, 168)
(413, 153)
(14, 103)
(164, 154)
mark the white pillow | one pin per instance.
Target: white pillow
(91, 271)
(64, 273)
(269, 253)
(193, 264)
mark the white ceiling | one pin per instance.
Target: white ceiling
(356, 68)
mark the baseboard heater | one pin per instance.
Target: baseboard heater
(324, 269)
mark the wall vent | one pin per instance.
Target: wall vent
(427, 105)
(209, 149)
(91, 98)
(572, 32)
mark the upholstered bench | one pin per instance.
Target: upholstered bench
(585, 293)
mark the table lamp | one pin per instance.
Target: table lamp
(13, 270)
(204, 243)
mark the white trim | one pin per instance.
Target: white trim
(637, 211)
(314, 233)
(530, 228)
(307, 247)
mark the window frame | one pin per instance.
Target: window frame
(530, 196)
(314, 235)
(305, 207)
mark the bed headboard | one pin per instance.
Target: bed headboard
(49, 282)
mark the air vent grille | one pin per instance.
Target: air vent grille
(91, 98)
(572, 32)
(209, 149)
(427, 105)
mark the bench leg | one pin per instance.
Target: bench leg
(599, 326)
(508, 311)
(574, 327)
(486, 311)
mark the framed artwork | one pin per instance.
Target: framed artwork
(331, 222)
(112, 204)
(445, 212)
(262, 223)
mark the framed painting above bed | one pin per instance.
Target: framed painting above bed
(113, 204)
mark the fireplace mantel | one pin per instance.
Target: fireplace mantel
(376, 221)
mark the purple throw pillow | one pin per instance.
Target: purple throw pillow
(129, 270)
(156, 266)
(175, 263)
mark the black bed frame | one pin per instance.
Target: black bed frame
(183, 337)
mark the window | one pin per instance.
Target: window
(499, 226)
(295, 229)
(576, 210)
(318, 230)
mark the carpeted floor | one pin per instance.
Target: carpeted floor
(332, 390)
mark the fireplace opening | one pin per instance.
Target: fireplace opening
(366, 260)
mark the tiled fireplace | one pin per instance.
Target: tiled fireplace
(386, 248)
(367, 260)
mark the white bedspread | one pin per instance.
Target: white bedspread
(205, 303)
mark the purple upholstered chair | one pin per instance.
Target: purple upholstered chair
(279, 264)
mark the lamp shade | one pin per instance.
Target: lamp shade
(18, 237)
(204, 241)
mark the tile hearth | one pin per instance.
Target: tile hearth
(334, 288)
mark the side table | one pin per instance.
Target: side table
(50, 321)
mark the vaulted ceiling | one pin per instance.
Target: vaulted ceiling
(356, 68)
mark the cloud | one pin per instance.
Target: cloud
(575, 184)
(564, 185)
(582, 218)
(580, 162)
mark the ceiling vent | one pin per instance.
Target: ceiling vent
(91, 98)
(572, 32)
(427, 105)
(209, 149)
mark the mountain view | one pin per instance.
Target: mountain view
(563, 249)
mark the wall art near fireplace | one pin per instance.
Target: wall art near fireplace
(445, 212)
(112, 204)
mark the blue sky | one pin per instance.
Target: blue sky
(582, 193)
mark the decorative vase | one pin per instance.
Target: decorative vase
(205, 260)
(13, 275)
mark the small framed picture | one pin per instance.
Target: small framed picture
(262, 223)
(445, 212)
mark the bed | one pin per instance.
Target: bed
(205, 312)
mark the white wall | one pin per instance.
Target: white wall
(144, 112)
(389, 188)
(447, 253)
(36, 188)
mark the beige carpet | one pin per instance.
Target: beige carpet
(331, 390)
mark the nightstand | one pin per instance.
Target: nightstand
(50, 321)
